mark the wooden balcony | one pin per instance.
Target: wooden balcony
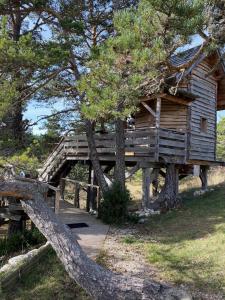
(155, 144)
(143, 145)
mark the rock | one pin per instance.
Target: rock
(202, 192)
(141, 221)
(147, 213)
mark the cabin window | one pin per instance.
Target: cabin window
(203, 125)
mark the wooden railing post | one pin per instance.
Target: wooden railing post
(57, 200)
(77, 195)
(98, 198)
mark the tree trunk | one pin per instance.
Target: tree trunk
(94, 157)
(168, 198)
(120, 166)
(99, 283)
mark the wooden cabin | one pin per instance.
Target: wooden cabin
(192, 111)
(177, 126)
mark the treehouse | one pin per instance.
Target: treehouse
(177, 126)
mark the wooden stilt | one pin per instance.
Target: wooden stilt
(62, 186)
(57, 201)
(154, 182)
(146, 180)
(77, 195)
(204, 177)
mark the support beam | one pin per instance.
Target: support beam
(62, 185)
(149, 109)
(154, 182)
(77, 195)
(146, 180)
(158, 112)
(57, 200)
(204, 177)
(132, 171)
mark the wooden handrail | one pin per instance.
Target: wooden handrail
(81, 183)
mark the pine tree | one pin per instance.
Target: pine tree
(137, 56)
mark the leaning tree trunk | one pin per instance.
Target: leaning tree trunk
(94, 157)
(168, 198)
(99, 283)
(120, 166)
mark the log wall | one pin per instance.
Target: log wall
(143, 118)
(202, 144)
(173, 116)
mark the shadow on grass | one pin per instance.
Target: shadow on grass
(198, 217)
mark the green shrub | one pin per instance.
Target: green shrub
(20, 241)
(113, 208)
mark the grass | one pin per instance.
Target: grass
(47, 281)
(188, 245)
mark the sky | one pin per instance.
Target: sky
(36, 110)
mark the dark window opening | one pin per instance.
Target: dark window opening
(204, 125)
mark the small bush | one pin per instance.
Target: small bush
(113, 208)
(20, 241)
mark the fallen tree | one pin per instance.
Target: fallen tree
(99, 282)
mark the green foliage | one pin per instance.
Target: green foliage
(20, 241)
(23, 161)
(130, 240)
(138, 54)
(79, 172)
(114, 206)
(221, 139)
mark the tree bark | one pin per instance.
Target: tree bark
(120, 166)
(99, 283)
(168, 198)
(94, 157)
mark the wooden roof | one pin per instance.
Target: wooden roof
(219, 72)
(151, 89)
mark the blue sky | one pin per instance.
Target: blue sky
(36, 110)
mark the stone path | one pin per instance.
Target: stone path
(91, 238)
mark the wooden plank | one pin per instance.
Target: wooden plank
(172, 143)
(158, 112)
(171, 135)
(171, 151)
(57, 201)
(149, 109)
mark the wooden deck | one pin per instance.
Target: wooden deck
(148, 145)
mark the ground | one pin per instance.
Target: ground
(183, 247)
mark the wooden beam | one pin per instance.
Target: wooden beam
(57, 201)
(146, 180)
(149, 109)
(176, 100)
(132, 171)
(158, 112)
